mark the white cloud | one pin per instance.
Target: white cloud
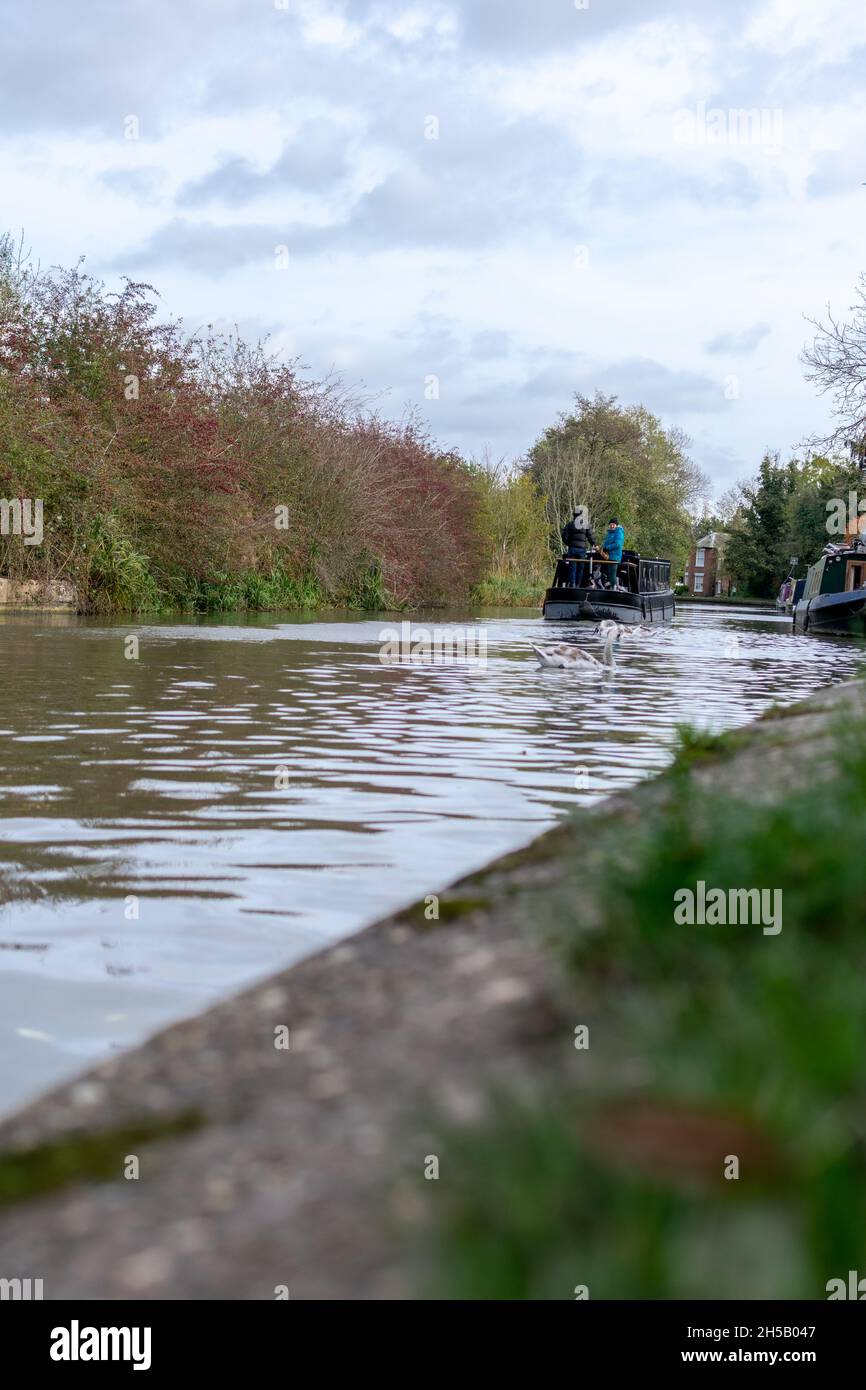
(459, 255)
(823, 33)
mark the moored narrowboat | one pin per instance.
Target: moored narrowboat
(642, 594)
(834, 596)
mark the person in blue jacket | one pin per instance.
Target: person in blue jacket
(613, 543)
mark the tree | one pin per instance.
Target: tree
(758, 554)
(723, 517)
(785, 511)
(836, 362)
(619, 461)
(515, 541)
(707, 522)
(821, 482)
(514, 522)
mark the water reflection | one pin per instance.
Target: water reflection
(244, 792)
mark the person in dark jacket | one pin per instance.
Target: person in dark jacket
(577, 538)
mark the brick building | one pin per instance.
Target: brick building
(705, 572)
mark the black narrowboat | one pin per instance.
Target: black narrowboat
(834, 598)
(643, 594)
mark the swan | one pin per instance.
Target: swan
(621, 631)
(565, 656)
(568, 658)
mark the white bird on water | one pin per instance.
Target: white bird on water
(565, 656)
(620, 631)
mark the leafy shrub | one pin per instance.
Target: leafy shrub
(205, 472)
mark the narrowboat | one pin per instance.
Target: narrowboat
(643, 594)
(834, 597)
(790, 593)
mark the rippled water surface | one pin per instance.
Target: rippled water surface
(254, 789)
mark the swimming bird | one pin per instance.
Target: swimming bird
(565, 656)
(568, 658)
(623, 632)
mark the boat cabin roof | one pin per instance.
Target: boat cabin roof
(839, 572)
(645, 574)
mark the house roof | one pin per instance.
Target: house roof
(713, 541)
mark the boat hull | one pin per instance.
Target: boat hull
(841, 615)
(564, 604)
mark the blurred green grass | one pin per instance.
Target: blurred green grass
(744, 1044)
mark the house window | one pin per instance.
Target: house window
(856, 576)
(699, 583)
(699, 558)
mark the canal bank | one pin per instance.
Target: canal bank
(315, 1134)
(50, 596)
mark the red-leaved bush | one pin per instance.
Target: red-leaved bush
(177, 469)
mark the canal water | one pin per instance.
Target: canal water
(247, 790)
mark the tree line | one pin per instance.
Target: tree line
(199, 471)
(782, 519)
(204, 472)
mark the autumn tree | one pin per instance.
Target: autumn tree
(619, 461)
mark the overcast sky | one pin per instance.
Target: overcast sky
(502, 201)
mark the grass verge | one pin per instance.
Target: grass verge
(711, 1048)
